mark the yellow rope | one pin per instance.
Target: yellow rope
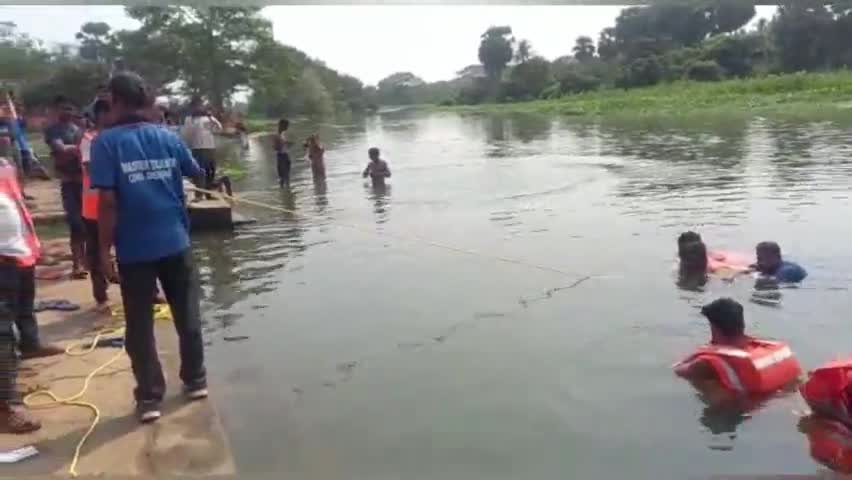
(432, 243)
(161, 312)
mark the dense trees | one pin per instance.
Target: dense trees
(700, 40)
(192, 50)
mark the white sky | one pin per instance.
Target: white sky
(373, 41)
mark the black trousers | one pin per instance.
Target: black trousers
(206, 159)
(17, 293)
(179, 280)
(96, 273)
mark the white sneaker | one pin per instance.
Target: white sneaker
(196, 394)
(148, 412)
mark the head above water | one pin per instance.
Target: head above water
(693, 257)
(128, 93)
(283, 125)
(768, 257)
(687, 237)
(373, 153)
(726, 318)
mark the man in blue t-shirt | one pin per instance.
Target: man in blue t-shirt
(138, 167)
(770, 263)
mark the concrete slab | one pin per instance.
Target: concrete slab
(188, 441)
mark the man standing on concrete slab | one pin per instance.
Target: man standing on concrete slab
(198, 131)
(138, 167)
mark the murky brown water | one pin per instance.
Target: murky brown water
(370, 357)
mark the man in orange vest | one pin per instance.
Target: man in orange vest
(99, 113)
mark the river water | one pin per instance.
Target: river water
(373, 355)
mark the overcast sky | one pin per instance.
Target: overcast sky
(373, 41)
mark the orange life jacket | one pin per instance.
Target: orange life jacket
(761, 367)
(831, 445)
(827, 390)
(9, 186)
(90, 196)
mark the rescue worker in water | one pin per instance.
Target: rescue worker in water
(738, 363)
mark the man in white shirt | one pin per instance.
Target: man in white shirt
(198, 131)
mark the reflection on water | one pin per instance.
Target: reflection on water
(372, 357)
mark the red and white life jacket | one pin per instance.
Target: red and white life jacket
(827, 390)
(831, 444)
(23, 245)
(763, 366)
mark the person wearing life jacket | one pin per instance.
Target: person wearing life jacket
(830, 441)
(19, 251)
(740, 364)
(100, 116)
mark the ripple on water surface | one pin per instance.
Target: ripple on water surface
(371, 355)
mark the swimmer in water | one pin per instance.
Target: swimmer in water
(692, 269)
(771, 264)
(377, 169)
(727, 365)
(724, 264)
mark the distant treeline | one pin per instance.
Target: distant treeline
(213, 52)
(668, 41)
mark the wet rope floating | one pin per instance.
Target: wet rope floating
(432, 243)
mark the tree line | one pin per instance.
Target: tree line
(699, 40)
(212, 52)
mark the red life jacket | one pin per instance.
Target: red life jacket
(9, 187)
(831, 445)
(761, 367)
(827, 390)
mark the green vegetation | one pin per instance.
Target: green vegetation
(800, 91)
(212, 52)
(665, 57)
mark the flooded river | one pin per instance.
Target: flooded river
(372, 356)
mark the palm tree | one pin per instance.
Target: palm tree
(523, 52)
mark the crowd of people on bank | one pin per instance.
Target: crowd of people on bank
(121, 170)
(121, 163)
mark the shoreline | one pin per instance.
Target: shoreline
(790, 94)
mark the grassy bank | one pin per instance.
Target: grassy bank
(784, 93)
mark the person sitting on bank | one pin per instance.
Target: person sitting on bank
(378, 169)
(771, 264)
(735, 362)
